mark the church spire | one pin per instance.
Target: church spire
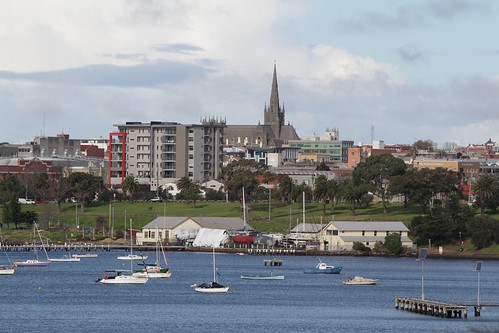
(274, 94)
(274, 115)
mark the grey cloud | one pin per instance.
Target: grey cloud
(178, 48)
(143, 75)
(412, 15)
(410, 54)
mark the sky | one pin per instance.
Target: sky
(397, 71)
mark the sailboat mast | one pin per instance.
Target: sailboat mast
(131, 247)
(303, 211)
(214, 266)
(244, 211)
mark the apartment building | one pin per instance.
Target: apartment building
(157, 153)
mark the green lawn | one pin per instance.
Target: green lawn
(283, 217)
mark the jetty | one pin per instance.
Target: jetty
(432, 308)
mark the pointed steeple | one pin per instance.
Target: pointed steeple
(274, 116)
(274, 94)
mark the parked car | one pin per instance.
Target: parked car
(25, 201)
(157, 199)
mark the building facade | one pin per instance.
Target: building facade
(157, 153)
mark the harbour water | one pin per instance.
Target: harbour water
(64, 297)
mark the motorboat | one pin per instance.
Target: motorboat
(359, 280)
(152, 271)
(322, 268)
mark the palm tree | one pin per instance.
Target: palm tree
(353, 193)
(130, 185)
(484, 189)
(286, 188)
(332, 190)
(321, 191)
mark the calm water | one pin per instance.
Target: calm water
(64, 296)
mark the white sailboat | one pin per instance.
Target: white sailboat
(212, 287)
(115, 276)
(155, 270)
(65, 258)
(34, 262)
(6, 269)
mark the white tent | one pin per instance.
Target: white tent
(211, 237)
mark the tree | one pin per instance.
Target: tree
(484, 189)
(376, 172)
(427, 145)
(420, 186)
(484, 231)
(353, 193)
(393, 243)
(243, 173)
(322, 167)
(11, 212)
(130, 185)
(286, 188)
(85, 187)
(188, 190)
(321, 191)
(333, 190)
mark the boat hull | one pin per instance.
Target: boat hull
(31, 263)
(153, 275)
(243, 239)
(360, 281)
(262, 277)
(124, 279)
(211, 290)
(335, 270)
(132, 257)
(86, 255)
(64, 259)
(7, 270)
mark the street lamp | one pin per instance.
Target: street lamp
(421, 257)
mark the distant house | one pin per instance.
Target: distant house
(174, 229)
(341, 235)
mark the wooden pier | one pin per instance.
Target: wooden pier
(432, 308)
(272, 262)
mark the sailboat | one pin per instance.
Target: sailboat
(212, 287)
(154, 270)
(6, 269)
(114, 276)
(65, 258)
(243, 236)
(34, 262)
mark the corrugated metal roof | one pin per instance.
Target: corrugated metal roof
(369, 225)
(309, 227)
(226, 223)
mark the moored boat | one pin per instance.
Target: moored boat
(117, 277)
(322, 268)
(359, 280)
(243, 237)
(132, 257)
(7, 270)
(31, 263)
(211, 287)
(262, 277)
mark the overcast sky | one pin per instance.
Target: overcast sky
(410, 69)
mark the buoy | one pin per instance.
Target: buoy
(39, 288)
